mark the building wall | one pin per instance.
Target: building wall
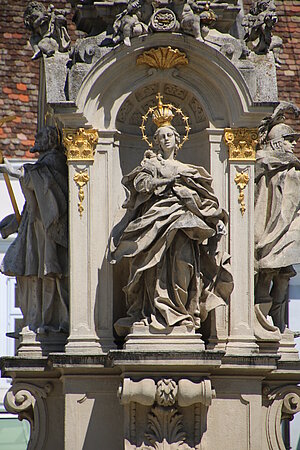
(19, 77)
(288, 74)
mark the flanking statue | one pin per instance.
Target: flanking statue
(170, 235)
(38, 257)
(258, 25)
(277, 214)
(48, 28)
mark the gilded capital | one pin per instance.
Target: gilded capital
(241, 143)
(80, 143)
(162, 58)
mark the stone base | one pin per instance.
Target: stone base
(144, 337)
(287, 347)
(267, 335)
(33, 344)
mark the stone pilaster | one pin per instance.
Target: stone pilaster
(241, 144)
(80, 144)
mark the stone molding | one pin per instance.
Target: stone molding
(28, 401)
(283, 403)
(166, 392)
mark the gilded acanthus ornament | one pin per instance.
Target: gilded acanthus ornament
(80, 143)
(81, 179)
(242, 179)
(162, 58)
(241, 143)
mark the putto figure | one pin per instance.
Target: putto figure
(39, 255)
(49, 29)
(170, 236)
(258, 25)
(146, 16)
(277, 214)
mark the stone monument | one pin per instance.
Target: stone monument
(171, 347)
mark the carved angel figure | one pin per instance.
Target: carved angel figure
(258, 25)
(38, 257)
(133, 21)
(170, 236)
(49, 29)
(277, 214)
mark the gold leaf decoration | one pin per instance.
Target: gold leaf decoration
(242, 179)
(80, 143)
(81, 179)
(162, 58)
(241, 143)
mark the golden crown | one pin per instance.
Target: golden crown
(162, 115)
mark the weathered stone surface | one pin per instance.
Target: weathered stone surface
(277, 236)
(172, 271)
(49, 29)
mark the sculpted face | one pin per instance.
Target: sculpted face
(41, 142)
(167, 140)
(289, 143)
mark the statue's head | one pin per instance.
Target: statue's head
(45, 140)
(167, 139)
(262, 5)
(34, 14)
(282, 137)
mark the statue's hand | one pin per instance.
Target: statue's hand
(8, 168)
(156, 182)
(8, 226)
(221, 229)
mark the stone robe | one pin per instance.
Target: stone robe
(39, 255)
(177, 274)
(277, 210)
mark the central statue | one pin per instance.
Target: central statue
(170, 235)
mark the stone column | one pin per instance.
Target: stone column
(241, 143)
(80, 144)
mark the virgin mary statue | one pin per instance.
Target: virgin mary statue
(170, 236)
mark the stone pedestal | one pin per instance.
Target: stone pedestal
(181, 338)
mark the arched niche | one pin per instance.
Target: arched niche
(209, 76)
(113, 95)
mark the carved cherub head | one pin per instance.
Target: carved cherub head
(35, 14)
